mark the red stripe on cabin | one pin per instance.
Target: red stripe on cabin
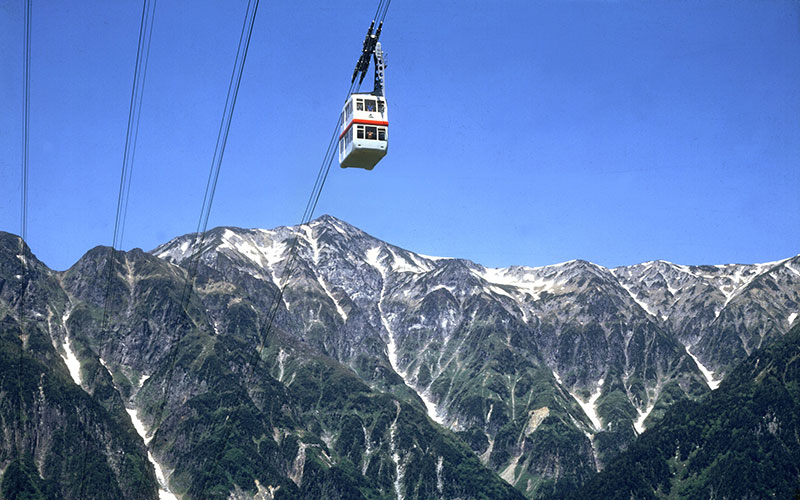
(362, 122)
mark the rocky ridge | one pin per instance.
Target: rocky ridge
(488, 352)
(320, 362)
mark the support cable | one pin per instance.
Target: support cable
(24, 276)
(137, 116)
(208, 198)
(131, 135)
(211, 185)
(308, 214)
(289, 268)
(311, 205)
(26, 120)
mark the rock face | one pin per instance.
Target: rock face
(59, 439)
(741, 441)
(722, 313)
(320, 362)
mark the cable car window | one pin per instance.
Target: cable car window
(381, 106)
(360, 132)
(370, 104)
(381, 134)
(359, 104)
(372, 133)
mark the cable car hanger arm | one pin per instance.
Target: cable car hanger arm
(371, 48)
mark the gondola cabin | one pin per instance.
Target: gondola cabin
(363, 131)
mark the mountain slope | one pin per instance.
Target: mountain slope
(570, 351)
(722, 312)
(741, 441)
(320, 362)
(57, 440)
(215, 418)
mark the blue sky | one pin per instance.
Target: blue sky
(522, 132)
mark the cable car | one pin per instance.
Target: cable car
(363, 131)
(364, 123)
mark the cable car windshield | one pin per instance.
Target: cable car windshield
(370, 105)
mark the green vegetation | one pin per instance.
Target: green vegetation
(335, 403)
(741, 441)
(70, 431)
(322, 416)
(21, 481)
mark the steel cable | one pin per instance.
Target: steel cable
(131, 135)
(311, 205)
(208, 199)
(289, 267)
(24, 276)
(211, 184)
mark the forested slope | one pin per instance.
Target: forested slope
(742, 441)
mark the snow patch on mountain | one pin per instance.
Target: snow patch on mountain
(161, 475)
(169, 250)
(139, 425)
(309, 236)
(439, 479)
(72, 362)
(708, 374)
(391, 349)
(391, 352)
(497, 291)
(399, 468)
(373, 259)
(281, 361)
(264, 256)
(526, 280)
(330, 294)
(590, 406)
(791, 318)
(642, 304)
(433, 410)
(433, 257)
(639, 423)
(408, 263)
(450, 289)
(401, 265)
(368, 451)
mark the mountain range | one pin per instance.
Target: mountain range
(317, 361)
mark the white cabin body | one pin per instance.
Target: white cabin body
(363, 131)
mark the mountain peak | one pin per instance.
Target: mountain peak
(10, 243)
(329, 219)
